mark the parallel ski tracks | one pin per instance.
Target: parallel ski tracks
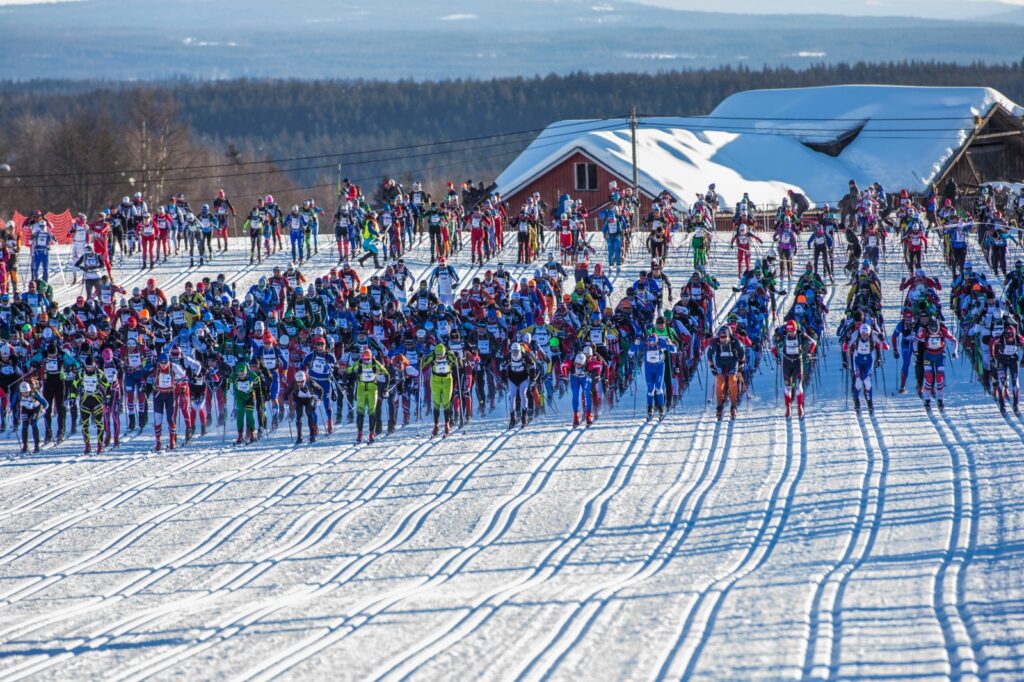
(822, 656)
(550, 564)
(962, 641)
(499, 522)
(701, 615)
(406, 527)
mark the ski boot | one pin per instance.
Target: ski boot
(330, 425)
(312, 436)
(298, 441)
(718, 412)
(525, 418)
(202, 429)
(856, 404)
(369, 437)
(871, 406)
(238, 441)
(943, 407)
(171, 440)
(359, 435)
(650, 412)
(511, 423)
(156, 448)
(575, 419)
(590, 418)
(252, 437)
(88, 448)
(800, 409)
(787, 409)
(732, 413)
(447, 428)
(99, 447)
(48, 437)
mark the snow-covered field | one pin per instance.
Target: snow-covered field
(882, 547)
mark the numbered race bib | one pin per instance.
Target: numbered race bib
(89, 383)
(51, 365)
(654, 356)
(441, 366)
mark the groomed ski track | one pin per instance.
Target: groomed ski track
(840, 546)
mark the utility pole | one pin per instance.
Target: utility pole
(636, 187)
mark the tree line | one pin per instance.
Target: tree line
(233, 127)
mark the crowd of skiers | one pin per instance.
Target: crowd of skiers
(389, 350)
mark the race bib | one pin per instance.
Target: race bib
(653, 356)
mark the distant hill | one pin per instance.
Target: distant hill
(150, 39)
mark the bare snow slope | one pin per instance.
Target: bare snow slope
(837, 547)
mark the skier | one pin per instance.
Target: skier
(518, 370)
(30, 404)
(446, 278)
(932, 340)
(245, 383)
(366, 371)
(92, 387)
(742, 240)
(580, 385)
(726, 360)
(165, 378)
(1005, 350)
(792, 348)
(656, 354)
(319, 364)
(865, 353)
(305, 396)
(442, 364)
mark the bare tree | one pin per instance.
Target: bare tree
(82, 148)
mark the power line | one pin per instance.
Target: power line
(312, 157)
(364, 162)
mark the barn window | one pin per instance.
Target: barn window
(586, 177)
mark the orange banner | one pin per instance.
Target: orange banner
(61, 226)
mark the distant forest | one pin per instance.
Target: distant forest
(241, 121)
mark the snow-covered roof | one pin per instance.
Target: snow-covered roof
(756, 142)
